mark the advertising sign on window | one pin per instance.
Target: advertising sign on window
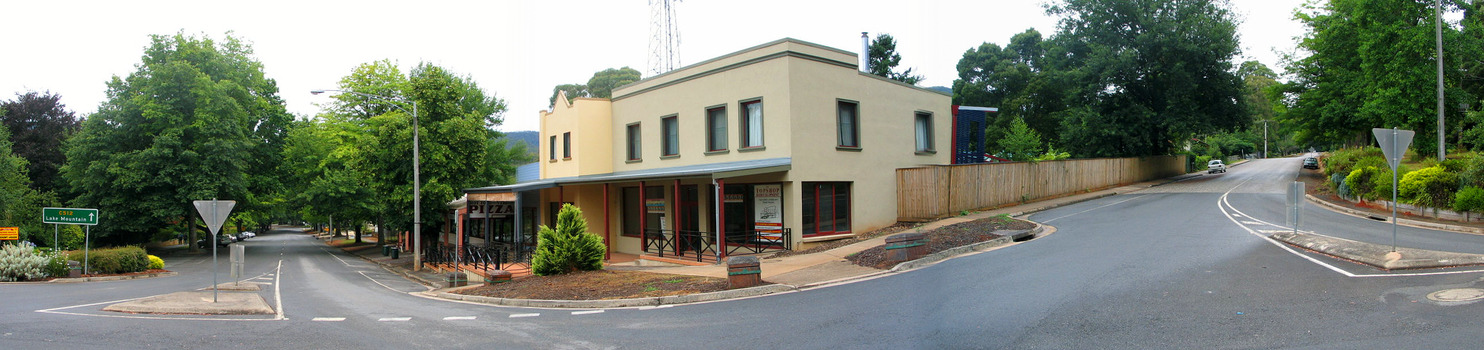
(768, 212)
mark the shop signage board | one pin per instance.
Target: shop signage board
(10, 233)
(768, 212)
(491, 209)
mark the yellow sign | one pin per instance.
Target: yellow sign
(10, 233)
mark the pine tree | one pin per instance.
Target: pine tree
(569, 247)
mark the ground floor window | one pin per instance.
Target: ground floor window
(826, 208)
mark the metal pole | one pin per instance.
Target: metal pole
(417, 208)
(87, 231)
(1438, 24)
(1264, 138)
(56, 240)
(213, 252)
(1393, 188)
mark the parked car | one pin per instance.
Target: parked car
(1215, 166)
(1311, 163)
(244, 235)
(222, 240)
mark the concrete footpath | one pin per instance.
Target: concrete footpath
(788, 273)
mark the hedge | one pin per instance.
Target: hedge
(113, 260)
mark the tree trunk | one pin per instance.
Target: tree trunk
(358, 232)
(190, 222)
(380, 234)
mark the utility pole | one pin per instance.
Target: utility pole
(1438, 30)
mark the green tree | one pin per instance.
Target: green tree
(197, 120)
(883, 60)
(602, 83)
(1019, 79)
(1372, 64)
(1146, 73)
(39, 122)
(1021, 143)
(567, 248)
(572, 90)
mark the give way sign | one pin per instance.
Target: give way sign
(214, 212)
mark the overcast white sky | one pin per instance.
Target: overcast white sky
(516, 50)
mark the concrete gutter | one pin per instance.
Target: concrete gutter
(113, 278)
(1378, 255)
(618, 303)
(1399, 221)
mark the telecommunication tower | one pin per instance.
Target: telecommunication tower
(664, 37)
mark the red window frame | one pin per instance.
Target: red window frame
(836, 189)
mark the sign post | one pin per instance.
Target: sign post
(1295, 204)
(73, 216)
(1393, 144)
(214, 212)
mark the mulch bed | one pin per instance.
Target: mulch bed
(945, 238)
(599, 285)
(893, 229)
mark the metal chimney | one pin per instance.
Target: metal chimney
(865, 53)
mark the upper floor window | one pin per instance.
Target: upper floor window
(752, 124)
(552, 145)
(567, 145)
(716, 129)
(670, 128)
(848, 123)
(924, 126)
(633, 138)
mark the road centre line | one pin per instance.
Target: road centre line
(459, 318)
(1096, 208)
(523, 315)
(588, 312)
(328, 319)
(655, 307)
(394, 319)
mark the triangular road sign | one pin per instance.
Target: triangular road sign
(1393, 144)
(214, 212)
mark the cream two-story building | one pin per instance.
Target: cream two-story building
(775, 146)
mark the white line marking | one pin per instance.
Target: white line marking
(658, 307)
(1252, 223)
(278, 297)
(523, 315)
(1223, 204)
(394, 319)
(459, 318)
(363, 273)
(1084, 211)
(328, 319)
(589, 312)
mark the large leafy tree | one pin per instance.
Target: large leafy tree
(1019, 79)
(601, 85)
(459, 146)
(883, 60)
(196, 120)
(1372, 64)
(38, 124)
(1021, 143)
(1146, 73)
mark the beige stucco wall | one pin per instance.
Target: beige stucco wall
(590, 120)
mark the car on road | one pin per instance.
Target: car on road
(222, 240)
(244, 235)
(1311, 163)
(1215, 166)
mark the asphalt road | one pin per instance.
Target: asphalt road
(1184, 265)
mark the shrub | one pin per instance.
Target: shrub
(1360, 182)
(113, 260)
(155, 263)
(56, 264)
(569, 247)
(1431, 186)
(1343, 161)
(19, 263)
(1469, 199)
(1473, 171)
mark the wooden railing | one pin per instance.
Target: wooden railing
(934, 191)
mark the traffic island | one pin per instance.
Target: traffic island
(196, 303)
(1378, 255)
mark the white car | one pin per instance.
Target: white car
(1215, 166)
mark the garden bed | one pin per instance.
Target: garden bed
(944, 238)
(599, 285)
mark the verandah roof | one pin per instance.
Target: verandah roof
(713, 170)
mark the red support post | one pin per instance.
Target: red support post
(675, 224)
(721, 218)
(607, 225)
(643, 215)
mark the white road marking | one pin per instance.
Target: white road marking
(328, 319)
(523, 315)
(394, 319)
(459, 318)
(363, 273)
(1252, 223)
(661, 306)
(278, 297)
(1084, 211)
(1223, 204)
(589, 312)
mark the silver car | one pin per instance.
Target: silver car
(1215, 166)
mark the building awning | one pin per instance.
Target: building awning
(712, 170)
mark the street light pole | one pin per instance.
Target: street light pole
(417, 209)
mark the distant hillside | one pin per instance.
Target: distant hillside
(943, 89)
(531, 138)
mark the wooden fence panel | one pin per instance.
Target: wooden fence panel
(934, 191)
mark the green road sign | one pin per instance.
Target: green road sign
(73, 216)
